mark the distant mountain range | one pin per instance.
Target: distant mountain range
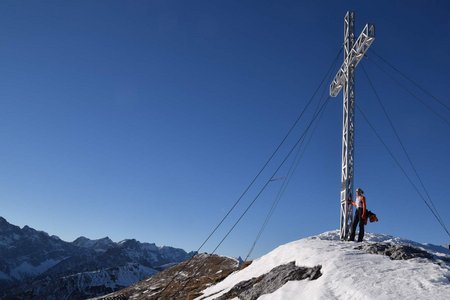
(35, 265)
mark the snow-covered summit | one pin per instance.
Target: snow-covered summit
(377, 237)
(349, 271)
(100, 245)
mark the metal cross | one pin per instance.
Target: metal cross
(345, 78)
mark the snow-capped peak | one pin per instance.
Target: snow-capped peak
(99, 245)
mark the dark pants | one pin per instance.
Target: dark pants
(358, 219)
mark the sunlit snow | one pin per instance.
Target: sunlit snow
(25, 269)
(349, 273)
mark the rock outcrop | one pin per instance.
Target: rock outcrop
(394, 251)
(271, 281)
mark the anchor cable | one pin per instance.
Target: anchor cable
(444, 119)
(262, 189)
(401, 168)
(330, 69)
(288, 177)
(402, 144)
(409, 79)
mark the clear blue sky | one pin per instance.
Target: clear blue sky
(147, 119)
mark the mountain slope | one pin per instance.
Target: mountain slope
(183, 281)
(84, 284)
(348, 270)
(26, 252)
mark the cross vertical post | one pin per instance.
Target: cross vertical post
(345, 78)
(348, 132)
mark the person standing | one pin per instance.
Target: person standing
(360, 215)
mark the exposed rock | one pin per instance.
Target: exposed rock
(395, 252)
(271, 281)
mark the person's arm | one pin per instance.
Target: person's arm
(364, 213)
(350, 201)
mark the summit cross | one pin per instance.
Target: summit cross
(345, 78)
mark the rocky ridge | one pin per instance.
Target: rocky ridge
(183, 281)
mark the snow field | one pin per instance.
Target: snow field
(348, 273)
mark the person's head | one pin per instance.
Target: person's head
(359, 191)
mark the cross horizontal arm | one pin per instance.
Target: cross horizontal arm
(360, 47)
